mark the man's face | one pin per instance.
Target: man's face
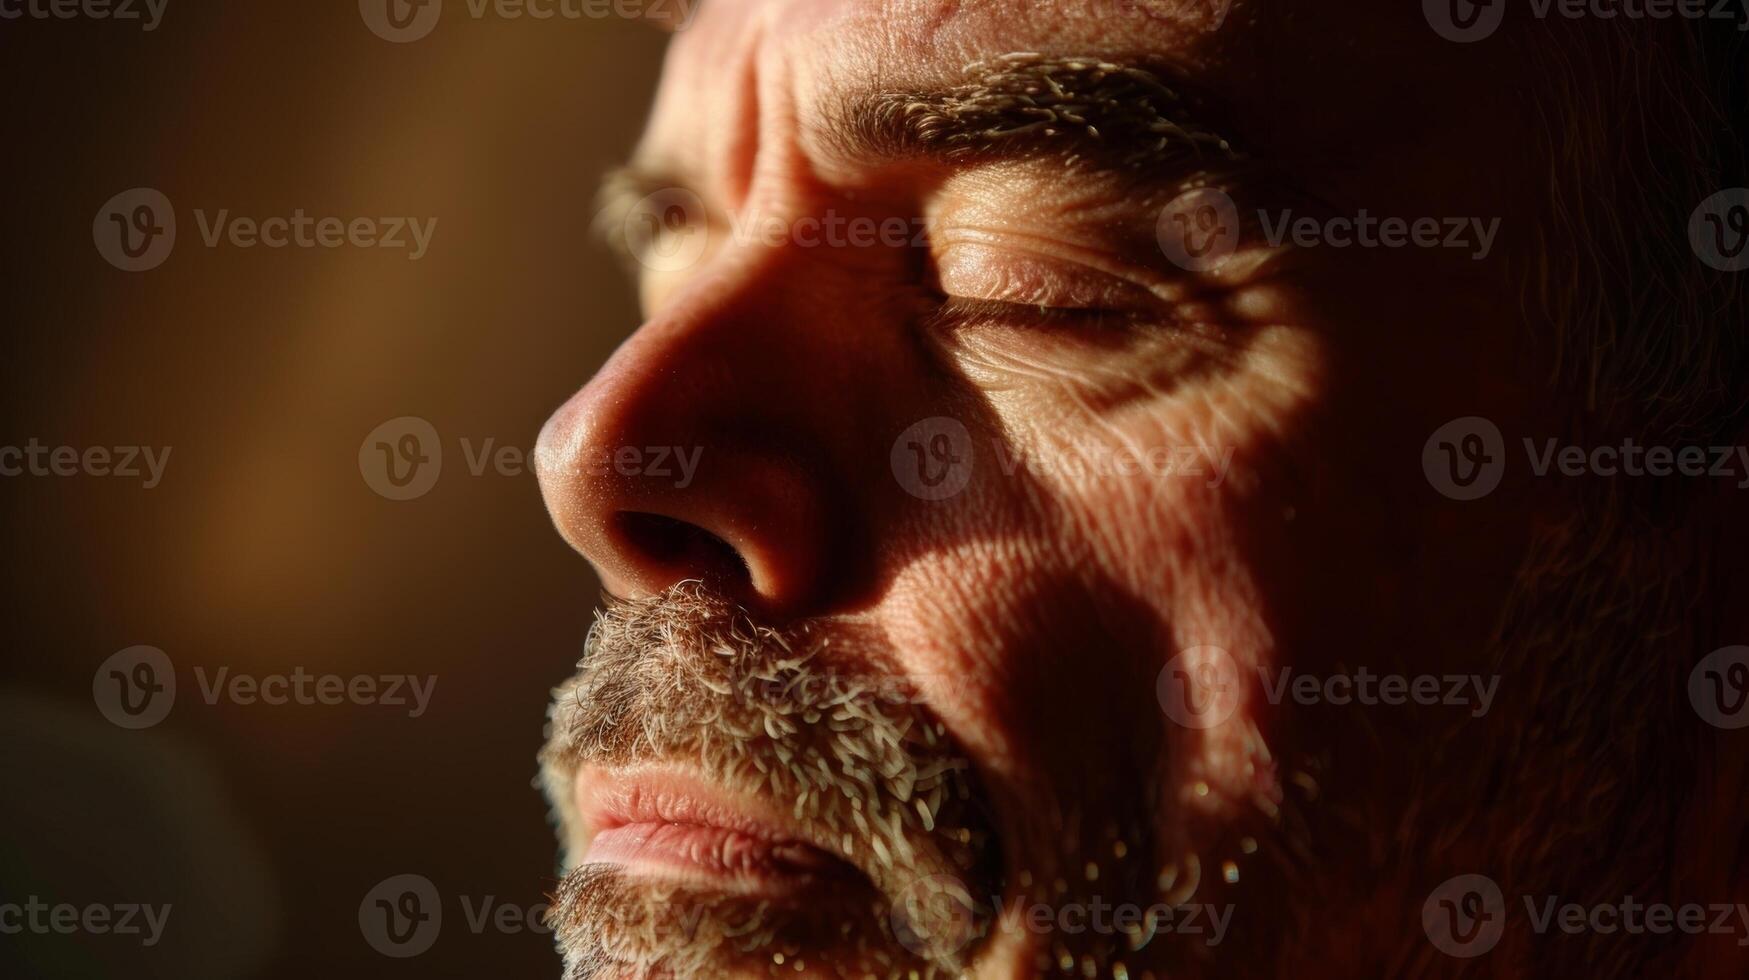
(968, 506)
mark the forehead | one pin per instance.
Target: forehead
(1309, 82)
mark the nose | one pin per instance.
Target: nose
(720, 442)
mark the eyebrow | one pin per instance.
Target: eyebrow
(1080, 110)
(1085, 112)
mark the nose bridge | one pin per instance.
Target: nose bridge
(765, 338)
(726, 438)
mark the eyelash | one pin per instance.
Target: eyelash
(959, 312)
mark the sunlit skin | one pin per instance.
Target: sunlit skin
(1036, 610)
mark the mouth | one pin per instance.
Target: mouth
(663, 825)
(733, 799)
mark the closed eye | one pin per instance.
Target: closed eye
(958, 312)
(1013, 270)
(996, 283)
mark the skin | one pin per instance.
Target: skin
(1036, 609)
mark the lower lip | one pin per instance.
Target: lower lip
(712, 857)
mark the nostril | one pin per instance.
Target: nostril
(682, 548)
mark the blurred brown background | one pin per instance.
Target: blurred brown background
(264, 549)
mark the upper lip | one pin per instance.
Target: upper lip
(612, 798)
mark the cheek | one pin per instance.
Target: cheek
(1174, 539)
(1161, 512)
(1048, 649)
(1113, 531)
(1178, 498)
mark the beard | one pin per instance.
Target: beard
(1567, 788)
(818, 719)
(802, 718)
(1576, 786)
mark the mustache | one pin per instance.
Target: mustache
(814, 718)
